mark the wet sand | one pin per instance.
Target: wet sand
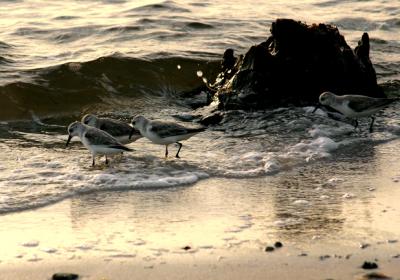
(277, 266)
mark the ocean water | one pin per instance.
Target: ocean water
(60, 60)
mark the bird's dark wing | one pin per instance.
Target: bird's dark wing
(99, 137)
(115, 128)
(363, 103)
(167, 129)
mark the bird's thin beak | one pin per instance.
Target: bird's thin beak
(316, 108)
(131, 133)
(69, 140)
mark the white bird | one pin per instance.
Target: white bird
(355, 106)
(97, 141)
(116, 128)
(163, 132)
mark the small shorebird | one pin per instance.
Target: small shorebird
(164, 133)
(355, 106)
(116, 128)
(97, 141)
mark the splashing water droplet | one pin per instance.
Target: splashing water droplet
(178, 66)
(199, 73)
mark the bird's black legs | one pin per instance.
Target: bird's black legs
(316, 108)
(180, 146)
(92, 160)
(107, 160)
(166, 150)
(355, 123)
(371, 125)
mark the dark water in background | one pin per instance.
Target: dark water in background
(61, 59)
(66, 57)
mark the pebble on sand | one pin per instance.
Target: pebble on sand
(186, 248)
(369, 265)
(32, 243)
(364, 245)
(269, 249)
(65, 276)
(278, 244)
(324, 257)
(374, 276)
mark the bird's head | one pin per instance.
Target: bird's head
(74, 129)
(327, 98)
(89, 119)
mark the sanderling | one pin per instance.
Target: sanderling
(118, 129)
(355, 106)
(164, 133)
(97, 141)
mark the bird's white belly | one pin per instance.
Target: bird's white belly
(100, 149)
(125, 138)
(86, 143)
(345, 110)
(153, 137)
(105, 150)
(178, 138)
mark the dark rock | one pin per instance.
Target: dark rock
(228, 60)
(65, 276)
(303, 255)
(324, 257)
(186, 117)
(375, 276)
(212, 119)
(294, 66)
(197, 97)
(187, 248)
(369, 265)
(269, 249)
(278, 244)
(364, 245)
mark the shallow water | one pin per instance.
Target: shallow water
(38, 170)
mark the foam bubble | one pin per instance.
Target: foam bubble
(323, 130)
(272, 166)
(123, 255)
(315, 149)
(288, 222)
(49, 250)
(301, 202)
(31, 243)
(84, 247)
(348, 195)
(332, 182)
